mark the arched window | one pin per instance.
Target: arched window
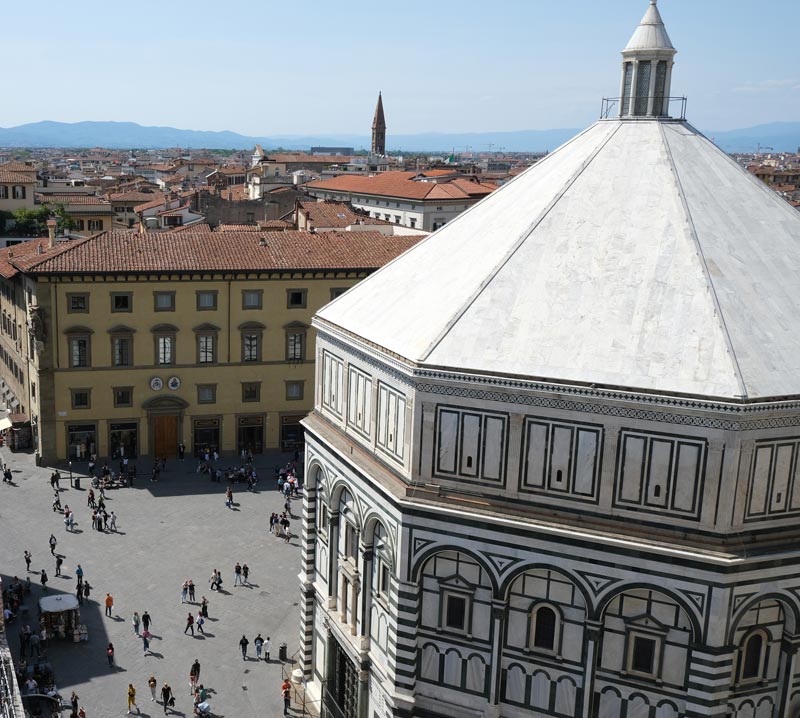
(544, 628)
(751, 657)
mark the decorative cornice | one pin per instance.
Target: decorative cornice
(587, 399)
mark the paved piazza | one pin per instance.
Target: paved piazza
(168, 531)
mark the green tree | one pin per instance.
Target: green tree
(33, 222)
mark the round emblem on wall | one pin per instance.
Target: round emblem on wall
(174, 383)
(156, 384)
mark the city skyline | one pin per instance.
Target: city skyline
(276, 69)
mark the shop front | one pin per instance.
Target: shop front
(123, 440)
(81, 441)
(292, 435)
(206, 435)
(250, 434)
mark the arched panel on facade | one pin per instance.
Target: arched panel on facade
(667, 709)
(689, 611)
(429, 664)
(452, 667)
(647, 634)
(567, 577)
(787, 602)
(376, 534)
(476, 674)
(515, 684)
(765, 707)
(610, 704)
(746, 709)
(757, 633)
(540, 690)
(430, 552)
(638, 706)
(546, 614)
(566, 693)
(456, 592)
(345, 500)
(316, 477)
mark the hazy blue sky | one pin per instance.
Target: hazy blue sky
(264, 67)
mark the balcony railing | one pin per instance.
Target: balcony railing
(610, 107)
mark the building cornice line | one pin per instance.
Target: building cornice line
(573, 397)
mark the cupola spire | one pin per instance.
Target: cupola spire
(379, 129)
(647, 62)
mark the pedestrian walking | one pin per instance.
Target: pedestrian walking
(181, 451)
(152, 683)
(258, 642)
(43, 579)
(79, 594)
(191, 591)
(286, 694)
(189, 624)
(146, 621)
(237, 574)
(73, 701)
(132, 698)
(110, 654)
(59, 563)
(87, 588)
(109, 604)
(146, 636)
(53, 542)
(81, 712)
(267, 645)
(204, 606)
(245, 574)
(113, 522)
(135, 622)
(166, 697)
(213, 580)
(199, 621)
(243, 644)
(79, 573)
(27, 556)
(194, 676)
(184, 591)
(229, 497)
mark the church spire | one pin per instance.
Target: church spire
(379, 129)
(647, 62)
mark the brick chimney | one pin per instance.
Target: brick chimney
(51, 232)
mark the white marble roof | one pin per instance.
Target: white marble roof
(636, 255)
(651, 33)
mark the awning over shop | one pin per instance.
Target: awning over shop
(5, 423)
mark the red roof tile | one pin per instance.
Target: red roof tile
(402, 185)
(199, 250)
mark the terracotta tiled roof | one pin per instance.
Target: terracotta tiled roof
(7, 177)
(16, 167)
(22, 251)
(401, 184)
(234, 193)
(237, 228)
(334, 214)
(133, 196)
(149, 205)
(74, 199)
(198, 251)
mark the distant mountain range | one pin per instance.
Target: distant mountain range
(777, 136)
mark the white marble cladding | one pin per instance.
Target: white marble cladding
(459, 612)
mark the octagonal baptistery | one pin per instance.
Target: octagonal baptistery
(552, 468)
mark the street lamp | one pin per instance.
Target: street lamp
(70, 473)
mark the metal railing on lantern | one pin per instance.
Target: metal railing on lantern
(610, 108)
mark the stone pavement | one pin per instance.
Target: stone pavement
(168, 531)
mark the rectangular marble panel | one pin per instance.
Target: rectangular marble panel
(780, 482)
(632, 469)
(470, 444)
(585, 462)
(760, 481)
(493, 448)
(686, 476)
(658, 478)
(537, 444)
(448, 433)
(561, 450)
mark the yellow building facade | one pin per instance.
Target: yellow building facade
(136, 360)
